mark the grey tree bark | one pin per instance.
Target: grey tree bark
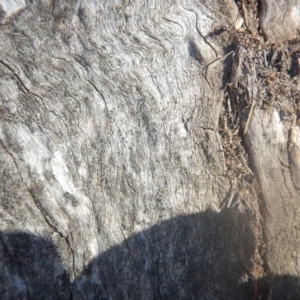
(149, 149)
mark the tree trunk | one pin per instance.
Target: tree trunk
(149, 150)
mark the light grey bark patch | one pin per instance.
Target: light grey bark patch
(9, 8)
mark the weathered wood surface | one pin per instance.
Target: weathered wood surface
(274, 151)
(279, 20)
(112, 168)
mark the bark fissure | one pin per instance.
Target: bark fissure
(95, 88)
(33, 94)
(53, 227)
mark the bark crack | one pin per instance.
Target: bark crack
(73, 265)
(94, 86)
(33, 94)
(29, 190)
(53, 227)
(283, 168)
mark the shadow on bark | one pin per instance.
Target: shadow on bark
(30, 268)
(199, 256)
(277, 287)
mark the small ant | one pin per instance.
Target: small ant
(217, 31)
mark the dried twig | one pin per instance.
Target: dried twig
(249, 116)
(245, 15)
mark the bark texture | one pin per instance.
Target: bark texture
(114, 175)
(279, 20)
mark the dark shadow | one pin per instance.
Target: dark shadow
(194, 52)
(227, 63)
(199, 256)
(30, 268)
(189, 257)
(274, 287)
